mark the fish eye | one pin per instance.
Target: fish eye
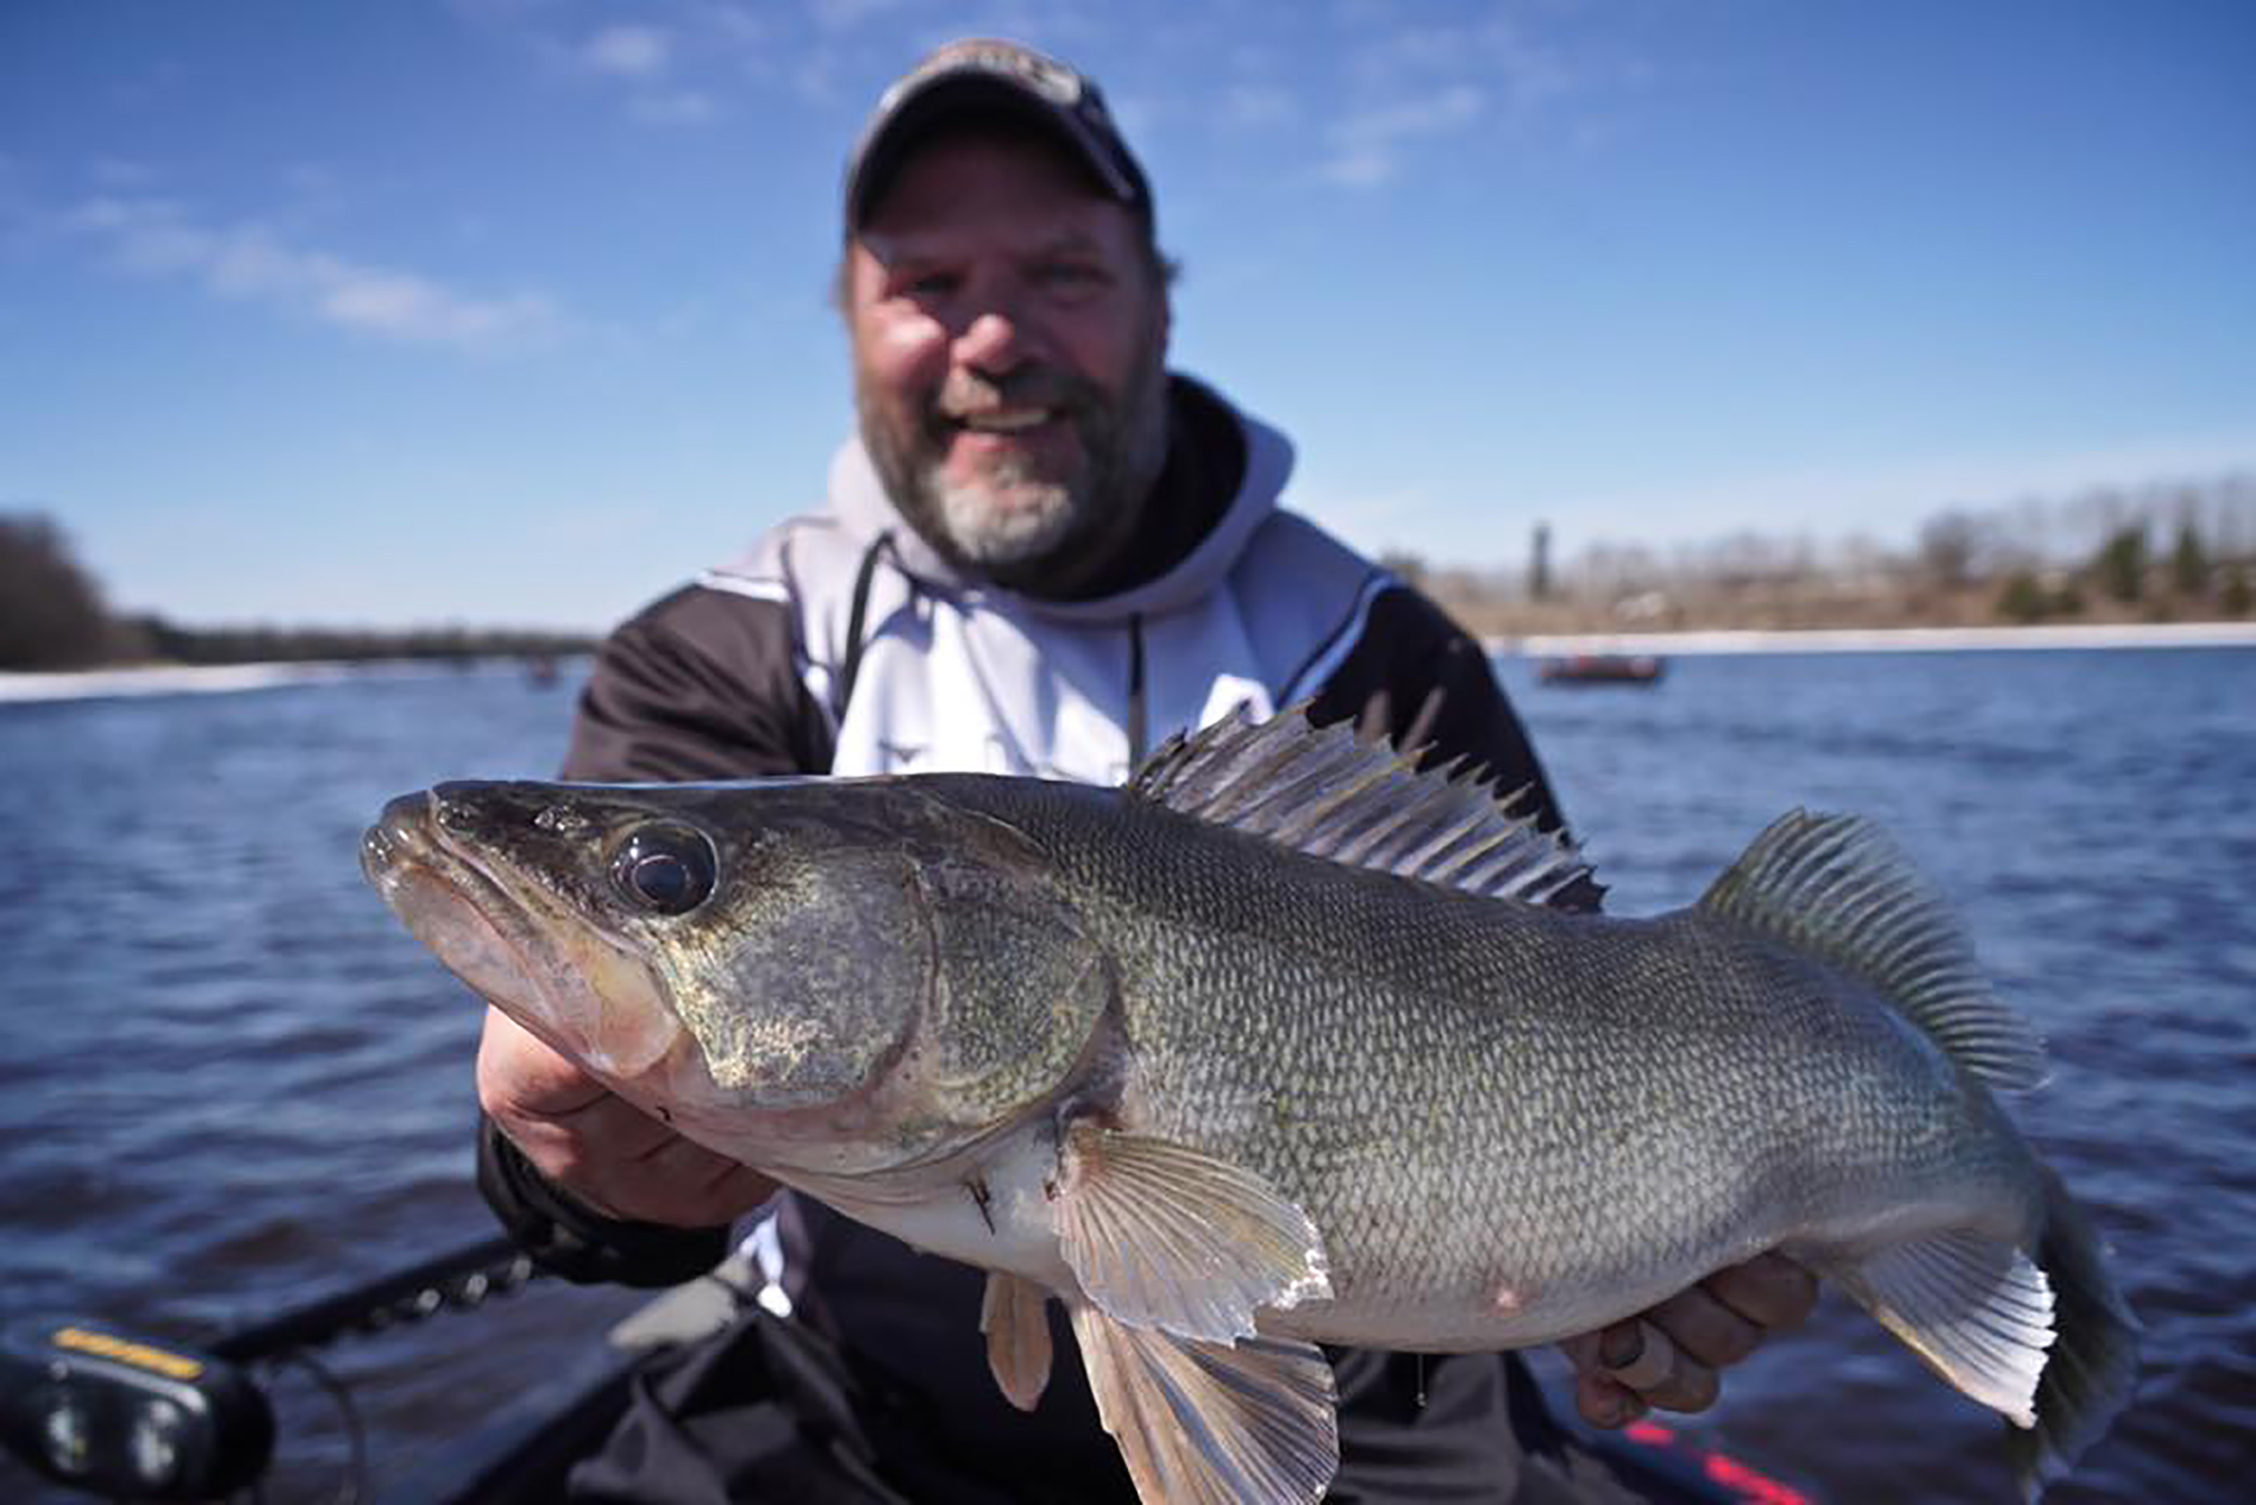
(665, 869)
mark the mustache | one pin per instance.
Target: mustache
(967, 392)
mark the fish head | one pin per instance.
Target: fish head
(834, 976)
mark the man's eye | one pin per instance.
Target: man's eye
(1068, 274)
(929, 285)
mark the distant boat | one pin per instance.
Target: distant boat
(1602, 669)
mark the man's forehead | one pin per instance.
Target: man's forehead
(915, 239)
(1010, 200)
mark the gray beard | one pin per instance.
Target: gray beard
(1034, 544)
(1047, 516)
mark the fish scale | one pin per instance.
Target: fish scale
(1277, 1045)
(1378, 993)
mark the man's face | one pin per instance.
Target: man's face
(1010, 342)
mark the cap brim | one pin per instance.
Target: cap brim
(970, 94)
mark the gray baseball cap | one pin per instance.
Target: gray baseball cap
(988, 76)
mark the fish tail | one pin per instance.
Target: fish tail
(1836, 888)
(2046, 1341)
(2092, 1368)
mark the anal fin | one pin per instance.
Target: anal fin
(1205, 1423)
(1977, 1311)
(1012, 1314)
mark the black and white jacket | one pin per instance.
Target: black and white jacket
(844, 644)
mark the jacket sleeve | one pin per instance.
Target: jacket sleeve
(701, 685)
(1422, 682)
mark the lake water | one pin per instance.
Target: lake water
(228, 1080)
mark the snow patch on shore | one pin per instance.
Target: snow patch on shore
(175, 679)
(1888, 640)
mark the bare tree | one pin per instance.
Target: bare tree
(51, 612)
(1950, 548)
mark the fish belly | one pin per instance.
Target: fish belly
(989, 1208)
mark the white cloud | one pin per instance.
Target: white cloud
(1410, 85)
(1258, 105)
(635, 52)
(122, 173)
(1368, 145)
(156, 237)
(675, 107)
(844, 15)
(733, 24)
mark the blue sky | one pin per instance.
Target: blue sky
(514, 310)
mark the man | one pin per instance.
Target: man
(1042, 553)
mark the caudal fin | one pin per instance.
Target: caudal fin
(2093, 1367)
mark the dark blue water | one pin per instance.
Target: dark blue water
(228, 1079)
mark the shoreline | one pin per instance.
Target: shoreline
(20, 688)
(40, 688)
(1880, 639)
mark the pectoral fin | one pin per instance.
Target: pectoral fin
(1018, 1337)
(1974, 1309)
(1163, 1236)
(1199, 1423)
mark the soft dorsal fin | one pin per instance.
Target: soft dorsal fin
(1323, 791)
(1836, 887)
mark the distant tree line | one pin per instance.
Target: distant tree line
(174, 644)
(2170, 551)
(52, 616)
(2181, 551)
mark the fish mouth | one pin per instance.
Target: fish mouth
(544, 965)
(452, 905)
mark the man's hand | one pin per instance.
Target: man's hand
(599, 1147)
(1670, 1356)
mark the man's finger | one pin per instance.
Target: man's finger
(1710, 1332)
(520, 1077)
(1647, 1363)
(1769, 1290)
(1650, 1363)
(1604, 1402)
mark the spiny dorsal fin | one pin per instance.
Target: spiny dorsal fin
(1836, 887)
(1325, 792)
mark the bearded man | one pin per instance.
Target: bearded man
(1042, 552)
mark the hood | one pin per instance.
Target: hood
(859, 501)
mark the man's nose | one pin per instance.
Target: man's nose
(995, 341)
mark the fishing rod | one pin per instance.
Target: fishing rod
(125, 1416)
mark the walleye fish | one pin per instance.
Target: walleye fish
(1275, 1046)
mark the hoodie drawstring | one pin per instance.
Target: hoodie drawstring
(1136, 726)
(856, 617)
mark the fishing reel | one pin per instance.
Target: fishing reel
(103, 1411)
(123, 1416)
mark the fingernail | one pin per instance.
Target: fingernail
(1620, 1410)
(1620, 1347)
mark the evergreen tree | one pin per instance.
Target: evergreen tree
(2189, 562)
(2121, 565)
